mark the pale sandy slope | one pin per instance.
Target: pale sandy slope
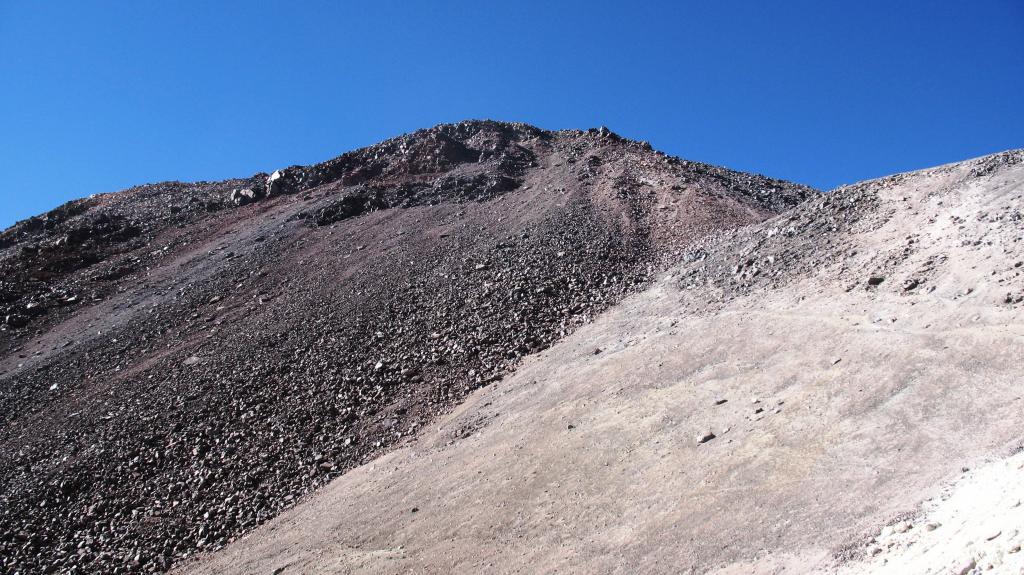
(873, 401)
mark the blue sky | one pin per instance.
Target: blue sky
(99, 96)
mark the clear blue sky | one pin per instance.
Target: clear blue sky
(98, 96)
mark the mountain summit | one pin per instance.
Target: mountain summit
(183, 361)
(836, 389)
(489, 347)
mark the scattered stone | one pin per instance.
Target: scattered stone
(705, 437)
(243, 196)
(16, 320)
(965, 566)
(875, 280)
(275, 183)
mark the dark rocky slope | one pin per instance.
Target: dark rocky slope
(180, 362)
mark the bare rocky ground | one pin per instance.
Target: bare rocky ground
(181, 362)
(835, 390)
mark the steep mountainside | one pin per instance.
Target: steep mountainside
(181, 362)
(792, 397)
